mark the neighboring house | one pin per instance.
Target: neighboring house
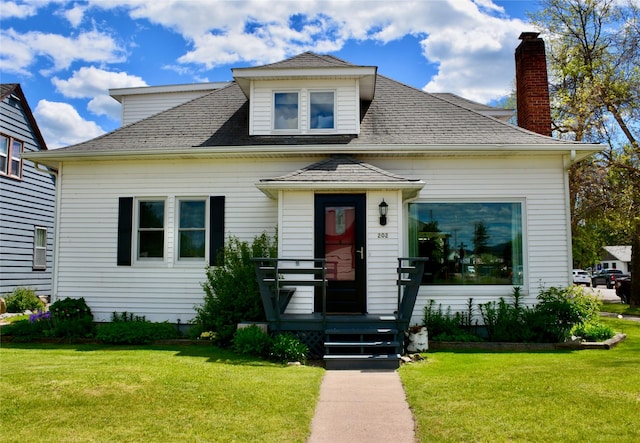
(312, 146)
(616, 257)
(27, 199)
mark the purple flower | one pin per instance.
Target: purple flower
(39, 316)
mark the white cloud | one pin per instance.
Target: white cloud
(61, 125)
(12, 9)
(19, 51)
(75, 15)
(471, 41)
(94, 83)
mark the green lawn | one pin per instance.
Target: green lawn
(81, 393)
(589, 395)
(619, 308)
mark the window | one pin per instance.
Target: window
(285, 110)
(40, 249)
(321, 110)
(150, 229)
(468, 243)
(191, 229)
(10, 151)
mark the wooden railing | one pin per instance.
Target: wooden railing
(410, 272)
(279, 277)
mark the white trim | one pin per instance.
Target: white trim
(150, 261)
(176, 234)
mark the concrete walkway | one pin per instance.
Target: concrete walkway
(362, 406)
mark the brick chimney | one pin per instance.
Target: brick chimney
(532, 85)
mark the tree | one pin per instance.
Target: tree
(594, 62)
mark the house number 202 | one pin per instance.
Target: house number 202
(383, 235)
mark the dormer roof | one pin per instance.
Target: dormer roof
(309, 65)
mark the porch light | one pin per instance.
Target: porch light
(383, 207)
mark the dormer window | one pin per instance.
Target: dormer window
(321, 110)
(286, 110)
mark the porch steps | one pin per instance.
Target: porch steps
(362, 346)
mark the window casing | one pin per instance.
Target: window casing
(40, 249)
(321, 110)
(10, 156)
(150, 227)
(192, 229)
(475, 243)
(286, 110)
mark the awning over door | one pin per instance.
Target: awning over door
(342, 173)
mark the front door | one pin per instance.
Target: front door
(340, 239)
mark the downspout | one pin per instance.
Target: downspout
(567, 193)
(54, 272)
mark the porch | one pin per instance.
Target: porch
(343, 340)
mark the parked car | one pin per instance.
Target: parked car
(623, 288)
(606, 277)
(581, 277)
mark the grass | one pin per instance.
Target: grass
(15, 318)
(79, 393)
(76, 393)
(619, 308)
(590, 395)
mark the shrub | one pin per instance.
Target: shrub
(72, 318)
(447, 326)
(23, 299)
(231, 289)
(506, 322)
(131, 329)
(27, 330)
(251, 341)
(593, 331)
(559, 309)
(287, 347)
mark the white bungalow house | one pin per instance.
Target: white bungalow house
(313, 146)
(616, 257)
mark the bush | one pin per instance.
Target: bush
(558, 313)
(27, 330)
(252, 341)
(130, 329)
(505, 322)
(72, 318)
(287, 347)
(448, 326)
(593, 331)
(23, 299)
(559, 309)
(231, 290)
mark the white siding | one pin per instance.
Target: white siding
(137, 107)
(88, 230)
(88, 226)
(347, 110)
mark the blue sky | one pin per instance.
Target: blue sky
(67, 54)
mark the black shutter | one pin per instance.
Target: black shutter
(216, 229)
(125, 230)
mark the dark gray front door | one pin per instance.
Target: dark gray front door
(340, 239)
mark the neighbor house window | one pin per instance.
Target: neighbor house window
(321, 110)
(468, 243)
(192, 229)
(10, 151)
(40, 249)
(151, 229)
(285, 110)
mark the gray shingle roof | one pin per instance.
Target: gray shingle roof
(398, 115)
